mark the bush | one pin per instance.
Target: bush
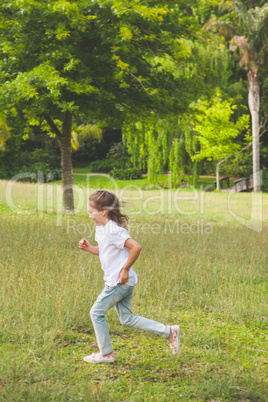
(40, 165)
(91, 149)
(126, 174)
(14, 160)
(117, 151)
(109, 164)
(45, 157)
(10, 158)
(39, 172)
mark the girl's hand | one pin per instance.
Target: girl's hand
(84, 245)
(134, 251)
(123, 276)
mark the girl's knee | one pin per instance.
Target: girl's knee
(127, 321)
(94, 313)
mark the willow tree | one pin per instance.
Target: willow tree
(149, 142)
(247, 30)
(64, 62)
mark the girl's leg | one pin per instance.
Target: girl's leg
(106, 300)
(126, 317)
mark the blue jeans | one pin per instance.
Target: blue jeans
(121, 297)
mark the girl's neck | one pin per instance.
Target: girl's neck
(104, 223)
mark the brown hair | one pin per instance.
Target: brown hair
(105, 200)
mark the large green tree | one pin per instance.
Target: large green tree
(64, 62)
(246, 26)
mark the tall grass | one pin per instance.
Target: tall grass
(30, 199)
(213, 283)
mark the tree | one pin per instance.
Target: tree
(248, 30)
(64, 62)
(216, 131)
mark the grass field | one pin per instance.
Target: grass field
(84, 179)
(200, 267)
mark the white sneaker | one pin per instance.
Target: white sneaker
(98, 358)
(175, 340)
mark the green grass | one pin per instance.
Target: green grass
(161, 179)
(213, 283)
(105, 181)
(81, 170)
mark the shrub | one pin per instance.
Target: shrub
(45, 157)
(14, 161)
(117, 151)
(126, 174)
(40, 165)
(10, 158)
(39, 172)
(107, 165)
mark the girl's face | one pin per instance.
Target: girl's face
(99, 217)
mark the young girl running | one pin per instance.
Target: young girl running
(117, 252)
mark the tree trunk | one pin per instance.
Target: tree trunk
(66, 164)
(254, 105)
(218, 175)
(195, 174)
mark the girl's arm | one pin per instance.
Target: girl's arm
(86, 246)
(134, 251)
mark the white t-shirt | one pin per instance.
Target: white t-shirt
(112, 252)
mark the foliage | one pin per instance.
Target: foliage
(91, 149)
(44, 155)
(126, 174)
(238, 166)
(64, 62)
(247, 28)
(177, 162)
(251, 24)
(11, 158)
(84, 132)
(147, 141)
(265, 180)
(40, 165)
(64, 57)
(117, 150)
(107, 165)
(215, 129)
(27, 156)
(39, 172)
(4, 132)
(159, 143)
